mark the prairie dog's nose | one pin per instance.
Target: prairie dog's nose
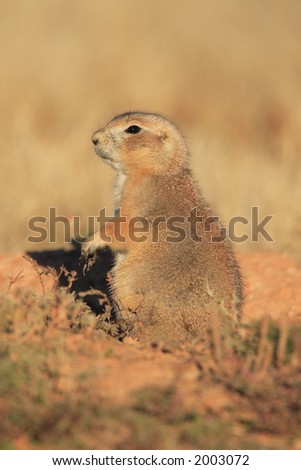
(95, 139)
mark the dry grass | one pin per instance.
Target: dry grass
(227, 72)
(66, 384)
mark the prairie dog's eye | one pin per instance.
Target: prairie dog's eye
(133, 129)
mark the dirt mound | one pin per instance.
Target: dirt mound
(81, 388)
(272, 286)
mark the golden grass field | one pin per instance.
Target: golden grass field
(228, 73)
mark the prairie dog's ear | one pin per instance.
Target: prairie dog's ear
(162, 135)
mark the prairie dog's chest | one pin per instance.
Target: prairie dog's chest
(117, 194)
(119, 185)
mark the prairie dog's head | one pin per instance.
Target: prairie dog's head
(143, 141)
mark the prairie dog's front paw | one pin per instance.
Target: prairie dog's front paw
(89, 250)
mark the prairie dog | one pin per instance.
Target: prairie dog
(182, 270)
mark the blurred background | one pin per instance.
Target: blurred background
(227, 73)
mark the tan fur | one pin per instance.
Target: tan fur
(168, 290)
